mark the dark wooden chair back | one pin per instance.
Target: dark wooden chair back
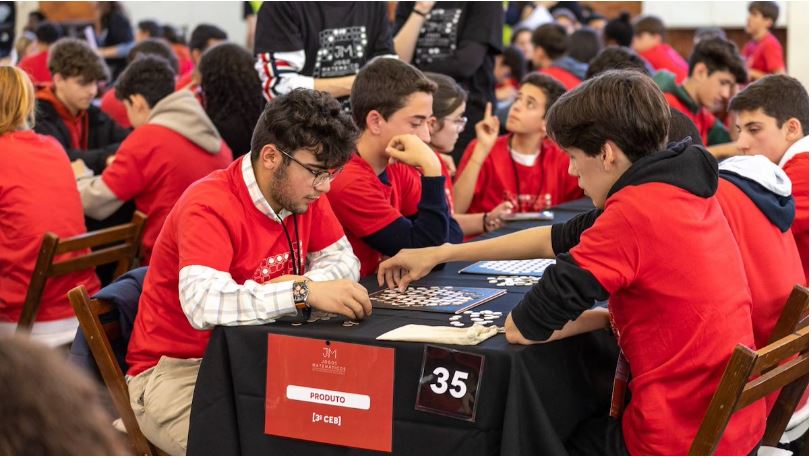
(123, 240)
(99, 337)
(750, 376)
(794, 315)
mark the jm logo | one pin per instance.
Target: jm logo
(329, 353)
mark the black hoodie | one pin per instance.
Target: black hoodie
(566, 290)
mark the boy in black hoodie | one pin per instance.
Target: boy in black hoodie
(676, 316)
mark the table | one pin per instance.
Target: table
(530, 401)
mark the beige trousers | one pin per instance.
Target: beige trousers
(161, 399)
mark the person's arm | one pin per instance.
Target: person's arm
(280, 73)
(537, 242)
(98, 200)
(406, 39)
(465, 185)
(476, 223)
(430, 225)
(588, 321)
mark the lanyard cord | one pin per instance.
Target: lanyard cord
(518, 180)
(297, 267)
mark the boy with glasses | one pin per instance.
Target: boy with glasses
(244, 246)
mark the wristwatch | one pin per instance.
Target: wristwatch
(300, 293)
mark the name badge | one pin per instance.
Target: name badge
(449, 382)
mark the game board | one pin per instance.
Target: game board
(525, 267)
(443, 299)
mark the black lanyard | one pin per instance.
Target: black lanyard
(298, 268)
(518, 180)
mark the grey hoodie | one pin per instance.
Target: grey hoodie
(182, 113)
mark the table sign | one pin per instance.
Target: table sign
(449, 382)
(333, 392)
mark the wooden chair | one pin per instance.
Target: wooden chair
(794, 314)
(752, 375)
(124, 241)
(99, 337)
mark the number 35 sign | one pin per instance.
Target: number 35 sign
(449, 382)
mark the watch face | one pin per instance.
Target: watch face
(300, 291)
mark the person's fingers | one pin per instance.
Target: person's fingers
(488, 110)
(390, 278)
(404, 281)
(353, 307)
(398, 274)
(362, 297)
(381, 275)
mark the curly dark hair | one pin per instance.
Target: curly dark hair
(307, 119)
(719, 54)
(148, 75)
(70, 57)
(231, 87)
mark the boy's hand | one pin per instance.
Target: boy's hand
(408, 265)
(409, 149)
(487, 129)
(344, 297)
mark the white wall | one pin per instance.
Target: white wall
(706, 13)
(226, 15)
(793, 16)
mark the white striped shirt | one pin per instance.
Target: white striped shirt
(210, 297)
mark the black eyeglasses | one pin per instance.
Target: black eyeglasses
(319, 176)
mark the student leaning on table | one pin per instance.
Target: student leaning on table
(675, 315)
(244, 246)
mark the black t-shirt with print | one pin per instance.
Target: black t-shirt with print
(338, 38)
(444, 31)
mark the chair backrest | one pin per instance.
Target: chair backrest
(750, 376)
(793, 314)
(99, 336)
(123, 240)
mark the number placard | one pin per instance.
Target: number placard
(449, 382)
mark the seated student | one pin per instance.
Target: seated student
(715, 69)
(318, 45)
(649, 36)
(36, 65)
(755, 196)
(113, 107)
(385, 208)
(445, 125)
(226, 256)
(232, 93)
(173, 145)
(37, 195)
(772, 120)
(763, 53)
(523, 167)
(614, 128)
(65, 110)
(549, 56)
(202, 37)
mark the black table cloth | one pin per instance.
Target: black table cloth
(530, 400)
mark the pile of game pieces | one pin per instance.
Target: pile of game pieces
(316, 316)
(484, 318)
(510, 280)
